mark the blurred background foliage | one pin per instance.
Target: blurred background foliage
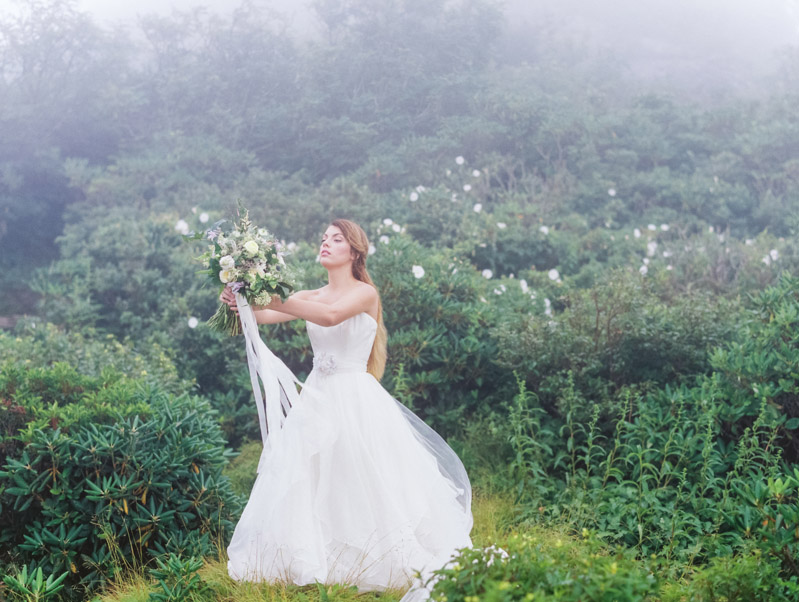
(588, 284)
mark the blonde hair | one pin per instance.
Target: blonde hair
(359, 243)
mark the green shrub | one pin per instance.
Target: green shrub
(129, 474)
(538, 567)
(748, 577)
(615, 334)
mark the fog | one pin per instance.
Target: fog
(690, 44)
(693, 41)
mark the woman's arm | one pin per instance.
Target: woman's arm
(273, 316)
(362, 298)
(262, 315)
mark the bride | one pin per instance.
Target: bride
(357, 489)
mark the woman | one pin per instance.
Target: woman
(357, 490)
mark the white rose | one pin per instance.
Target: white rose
(227, 263)
(227, 276)
(251, 247)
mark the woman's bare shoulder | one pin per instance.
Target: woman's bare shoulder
(367, 290)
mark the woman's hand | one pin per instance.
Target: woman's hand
(228, 297)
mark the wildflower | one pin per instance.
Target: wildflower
(544, 230)
(467, 187)
(651, 227)
(384, 239)
(774, 254)
(388, 221)
(203, 217)
(502, 225)
(477, 207)
(650, 248)
(291, 246)
(193, 322)
(396, 227)
(454, 197)
(553, 274)
(664, 227)
(523, 285)
(182, 227)
(476, 173)
(749, 242)
(710, 229)
(497, 291)
(418, 271)
(420, 189)
(646, 260)
(669, 267)
(459, 160)
(414, 197)
(611, 192)
(637, 233)
(487, 273)
(547, 307)
(643, 269)
(372, 249)
(767, 260)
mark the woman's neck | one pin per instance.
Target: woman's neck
(340, 277)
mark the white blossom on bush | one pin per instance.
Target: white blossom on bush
(418, 271)
(182, 227)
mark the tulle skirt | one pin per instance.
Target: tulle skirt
(357, 490)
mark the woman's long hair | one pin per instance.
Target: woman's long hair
(360, 247)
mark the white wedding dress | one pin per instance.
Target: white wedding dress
(357, 490)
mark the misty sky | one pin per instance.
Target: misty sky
(685, 35)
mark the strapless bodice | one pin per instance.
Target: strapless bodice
(344, 347)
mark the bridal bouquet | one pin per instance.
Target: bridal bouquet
(247, 260)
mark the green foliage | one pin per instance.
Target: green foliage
(178, 579)
(684, 472)
(130, 474)
(616, 334)
(34, 587)
(741, 578)
(37, 344)
(534, 567)
(436, 325)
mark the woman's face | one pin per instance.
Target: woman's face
(334, 250)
